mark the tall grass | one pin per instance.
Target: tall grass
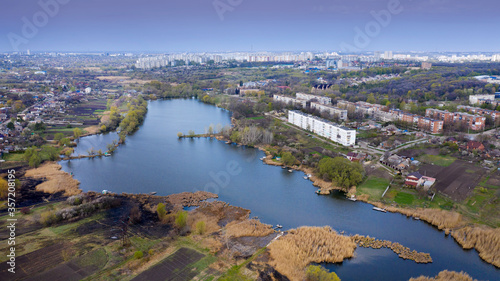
(446, 275)
(248, 228)
(293, 252)
(486, 241)
(402, 251)
(440, 218)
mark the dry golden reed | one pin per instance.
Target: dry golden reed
(446, 275)
(440, 218)
(293, 252)
(57, 179)
(248, 228)
(402, 251)
(486, 241)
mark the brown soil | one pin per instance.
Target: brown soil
(457, 180)
(56, 179)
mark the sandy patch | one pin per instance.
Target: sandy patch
(92, 130)
(56, 179)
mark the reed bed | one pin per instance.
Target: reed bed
(446, 275)
(486, 241)
(248, 228)
(57, 180)
(402, 251)
(293, 252)
(442, 219)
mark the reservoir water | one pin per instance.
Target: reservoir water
(154, 159)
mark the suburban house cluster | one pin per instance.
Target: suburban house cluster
(339, 134)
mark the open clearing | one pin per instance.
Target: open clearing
(374, 187)
(122, 80)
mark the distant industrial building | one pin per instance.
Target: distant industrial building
(339, 134)
(480, 99)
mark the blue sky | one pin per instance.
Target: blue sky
(237, 25)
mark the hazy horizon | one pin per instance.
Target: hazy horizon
(241, 25)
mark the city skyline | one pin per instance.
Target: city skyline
(239, 25)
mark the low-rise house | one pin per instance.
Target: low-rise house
(356, 157)
(427, 182)
(475, 145)
(413, 179)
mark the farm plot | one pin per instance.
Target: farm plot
(76, 269)
(457, 180)
(36, 262)
(175, 267)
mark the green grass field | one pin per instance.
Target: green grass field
(404, 198)
(374, 187)
(438, 160)
(13, 156)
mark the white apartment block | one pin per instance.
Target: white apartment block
(288, 100)
(322, 127)
(332, 110)
(474, 99)
(308, 97)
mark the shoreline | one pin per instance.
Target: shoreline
(451, 222)
(448, 221)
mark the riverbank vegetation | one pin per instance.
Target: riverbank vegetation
(300, 247)
(402, 251)
(485, 240)
(446, 275)
(341, 171)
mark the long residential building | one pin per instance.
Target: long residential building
(423, 123)
(288, 100)
(361, 107)
(318, 99)
(495, 115)
(339, 134)
(332, 110)
(474, 122)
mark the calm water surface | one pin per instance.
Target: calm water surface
(154, 159)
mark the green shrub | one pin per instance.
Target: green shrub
(160, 210)
(181, 219)
(138, 255)
(318, 273)
(201, 227)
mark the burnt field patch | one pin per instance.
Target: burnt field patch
(36, 262)
(76, 269)
(175, 267)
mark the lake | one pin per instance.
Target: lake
(154, 159)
